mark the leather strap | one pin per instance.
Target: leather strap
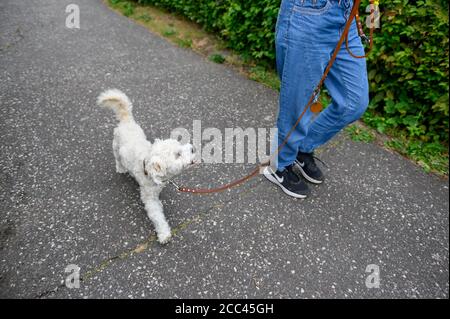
(344, 37)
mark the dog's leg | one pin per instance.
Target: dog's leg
(155, 212)
(119, 167)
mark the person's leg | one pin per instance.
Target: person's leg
(303, 46)
(348, 86)
(307, 32)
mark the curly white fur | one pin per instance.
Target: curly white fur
(152, 165)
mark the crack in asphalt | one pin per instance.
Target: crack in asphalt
(20, 36)
(147, 244)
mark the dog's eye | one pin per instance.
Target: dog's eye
(178, 155)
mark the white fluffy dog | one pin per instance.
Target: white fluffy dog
(152, 165)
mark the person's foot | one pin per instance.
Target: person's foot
(308, 168)
(288, 181)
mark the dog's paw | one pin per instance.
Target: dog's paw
(120, 170)
(164, 238)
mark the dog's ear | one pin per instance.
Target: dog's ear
(156, 168)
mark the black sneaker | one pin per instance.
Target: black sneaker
(288, 181)
(307, 166)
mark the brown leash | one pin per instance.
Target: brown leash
(344, 37)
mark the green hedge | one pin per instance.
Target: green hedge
(247, 25)
(408, 68)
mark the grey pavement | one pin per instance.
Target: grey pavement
(62, 203)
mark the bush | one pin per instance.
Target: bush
(408, 68)
(247, 25)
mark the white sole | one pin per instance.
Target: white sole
(270, 177)
(309, 179)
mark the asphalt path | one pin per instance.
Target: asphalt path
(61, 202)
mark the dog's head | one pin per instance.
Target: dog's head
(168, 158)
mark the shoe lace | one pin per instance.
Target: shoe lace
(310, 158)
(322, 162)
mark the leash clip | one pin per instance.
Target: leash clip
(365, 39)
(174, 184)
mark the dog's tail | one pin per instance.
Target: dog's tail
(118, 102)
